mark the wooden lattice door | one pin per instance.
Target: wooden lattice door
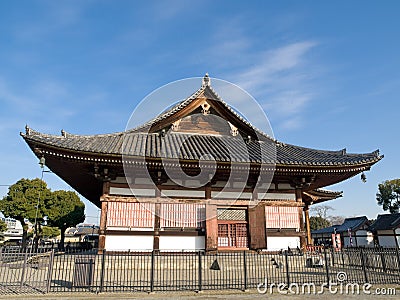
(232, 235)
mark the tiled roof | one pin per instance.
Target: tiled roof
(193, 147)
(386, 222)
(326, 230)
(352, 224)
(224, 148)
(349, 223)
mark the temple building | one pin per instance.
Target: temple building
(198, 176)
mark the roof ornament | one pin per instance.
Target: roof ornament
(363, 177)
(234, 129)
(175, 125)
(206, 80)
(27, 130)
(63, 133)
(206, 108)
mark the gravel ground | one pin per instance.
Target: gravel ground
(210, 295)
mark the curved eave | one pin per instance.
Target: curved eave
(320, 195)
(355, 162)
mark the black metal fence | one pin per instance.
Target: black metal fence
(50, 271)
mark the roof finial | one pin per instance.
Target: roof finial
(27, 130)
(206, 80)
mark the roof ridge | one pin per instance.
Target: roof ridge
(64, 134)
(343, 151)
(241, 118)
(173, 109)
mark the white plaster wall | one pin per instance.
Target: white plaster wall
(277, 196)
(182, 193)
(129, 242)
(275, 243)
(364, 238)
(387, 241)
(133, 192)
(231, 195)
(179, 243)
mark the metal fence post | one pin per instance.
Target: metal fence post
(152, 272)
(287, 269)
(103, 260)
(363, 265)
(244, 270)
(23, 269)
(326, 266)
(341, 252)
(50, 271)
(398, 259)
(382, 255)
(200, 272)
(333, 256)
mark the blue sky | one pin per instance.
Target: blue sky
(327, 74)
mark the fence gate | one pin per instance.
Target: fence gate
(25, 272)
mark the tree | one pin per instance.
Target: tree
(389, 195)
(318, 223)
(336, 220)
(48, 231)
(64, 210)
(26, 199)
(3, 226)
(321, 210)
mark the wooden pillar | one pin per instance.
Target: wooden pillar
(211, 227)
(307, 222)
(208, 192)
(157, 222)
(257, 230)
(103, 225)
(156, 238)
(103, 216)
(299, 198)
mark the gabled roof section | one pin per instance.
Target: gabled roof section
(352, 224)
(188, 105)
(386, 222)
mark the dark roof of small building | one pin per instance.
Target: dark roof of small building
(349, 223)
(386, 222)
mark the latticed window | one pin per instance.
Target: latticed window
(182, 215)
(232, 235)
(131, 215)
(282, 217)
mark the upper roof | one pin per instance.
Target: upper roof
(386, 222)
(150, 141)
(196, 128)
(353, 224)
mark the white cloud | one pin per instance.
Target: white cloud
(270, 66)
(281, 81)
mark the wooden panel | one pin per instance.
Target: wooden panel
(182, 215)
(211, 227)
(256, 217)
(282, 217)
(132, 215)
